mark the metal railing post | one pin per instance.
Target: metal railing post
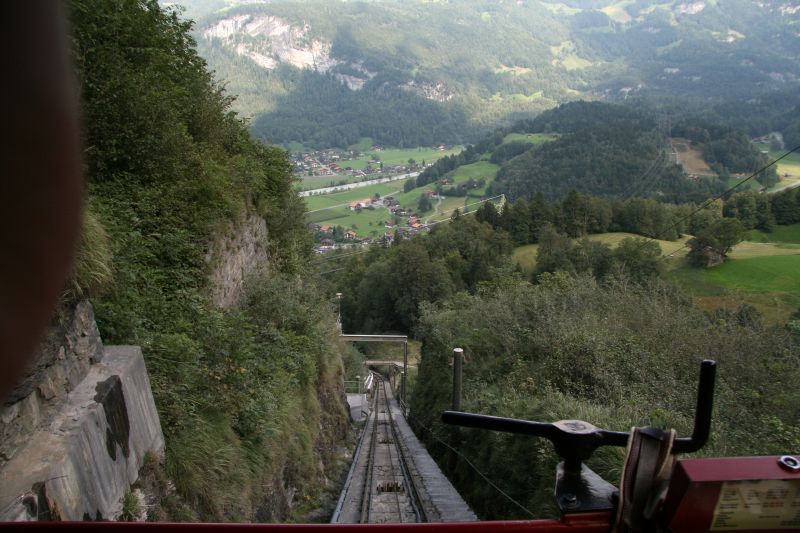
(405, 373)
(458, 357)
(455, 432)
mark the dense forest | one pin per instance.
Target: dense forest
(239, 391)
(607, 150)
(383, 113)
(616, 151)
(775, 112)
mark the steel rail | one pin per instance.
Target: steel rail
(366, 496)
(408, 481)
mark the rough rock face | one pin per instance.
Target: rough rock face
(235, 255)
(437, 92)
(76, 431)
(269, 40)
(71, 346)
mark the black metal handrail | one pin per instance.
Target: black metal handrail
(576, 440)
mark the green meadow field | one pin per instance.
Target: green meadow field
(320, 201)
(788, 168)
(785, 234)
(388, 156)
(763, 272)
(533, 138)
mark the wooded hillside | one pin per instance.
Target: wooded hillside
(248, 397)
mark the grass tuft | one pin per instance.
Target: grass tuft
(92, 271)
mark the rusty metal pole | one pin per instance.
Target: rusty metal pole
(339, 315)
(405, 373)
(455, 433)
(458, 357)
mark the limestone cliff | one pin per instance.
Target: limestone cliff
(234, 255)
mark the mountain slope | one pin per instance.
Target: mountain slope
(483, 63)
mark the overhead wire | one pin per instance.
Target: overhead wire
(644, 182)
(349, 254)
(477, 471)
(714, 199)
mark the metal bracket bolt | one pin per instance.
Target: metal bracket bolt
(792, 464)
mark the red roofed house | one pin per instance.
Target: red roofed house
(366, 202)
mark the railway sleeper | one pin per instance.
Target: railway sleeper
(391, 486)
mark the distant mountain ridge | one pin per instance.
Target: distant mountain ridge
(483, 63)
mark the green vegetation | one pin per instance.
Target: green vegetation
(320, 201)
(767, 281)
(603, 149)
(745, 250)
(788, 234)
(396, 156)
(735, 181)
(726, 149)
(756, 274)
(247, 396)
(92, 272)
(367, 222)
(530, 138)
(476, 171)
(617, 354)
(525, 255)
(593, 333)
(388, 156)
(131, 509)
(720, 237)
(323, 112)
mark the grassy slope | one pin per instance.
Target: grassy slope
(788, 169)
(786, 234)
(764, 274)
(329, 200)
(533, 138)
(753, 274)
(525, 256)
(367, 223)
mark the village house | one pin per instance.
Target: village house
(360, 204)
(326, 229)
(350, 235)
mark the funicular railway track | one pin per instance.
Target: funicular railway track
(387, 490)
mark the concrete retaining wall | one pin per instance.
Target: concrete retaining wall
(73, 454)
